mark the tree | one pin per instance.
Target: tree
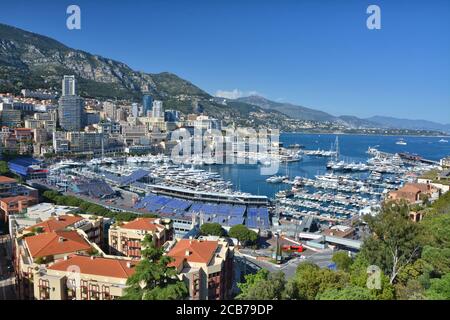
(262, 286)
(4, 169)
(347, 293)
(439, 288)
(153, 279)
(212, 229)
(310, 280)
(243, 234)
(342, 260)
(394, 242)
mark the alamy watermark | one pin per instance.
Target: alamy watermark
(73, 21)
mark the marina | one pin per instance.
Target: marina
(331, 186)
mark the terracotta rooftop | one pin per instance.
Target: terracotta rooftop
(199, 251)
(56, 223)
(16, 198)
(107, 267)
(147, 224)
(56, 242)
(4, 179)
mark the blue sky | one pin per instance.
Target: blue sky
(319, 54)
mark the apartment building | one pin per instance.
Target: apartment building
(126, 239)
(206, 266)
(33, 252)
(15, 205)
(95, 278)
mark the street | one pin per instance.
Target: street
(7, 279)
(322, 259)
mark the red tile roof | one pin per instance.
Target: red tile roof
(199, 251)
(16, 199)
(147, 224)
(56, 223)
(4, 179)
(107, 267)
(55, 243)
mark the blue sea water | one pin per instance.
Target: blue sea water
(248, 178)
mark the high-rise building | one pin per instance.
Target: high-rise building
(147, 102)
(69, 86)
(71, 107)
(171, 115)
(135, 110)
(157, 111)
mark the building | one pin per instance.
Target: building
(413, 192)
(147, 103)
(71, 107)
(28, 168)
(10, 118)
(10, 188)
(445, 162)
(99, 278)
(157, 110)
(126, 239)
(340, 231)
(206, 266)
(36, 214)
(69, 86)
(171, 116)
(85, 141)
(14, 205)
(71, 113)
(135, 110)
(31, 252)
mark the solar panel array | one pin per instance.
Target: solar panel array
(224, 214)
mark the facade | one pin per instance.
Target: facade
(206, 266)
(99, 278)
(157, 110)
(32, 252)
(412, 192)
(71, 113)
(147, 103)
(10, 118)
(71, 107)
(14, 205)
(126, 239)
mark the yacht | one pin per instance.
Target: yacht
(401, 142)
(443, 141)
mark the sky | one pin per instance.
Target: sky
(315, 53)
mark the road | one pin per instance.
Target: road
(322, 259)
(7, 279)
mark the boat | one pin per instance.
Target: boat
(401, 142)
(443, 141)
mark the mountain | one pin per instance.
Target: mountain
(303, 113)
(29, 60)
(389, 122)
(291, 110)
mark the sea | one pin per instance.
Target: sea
(248, 178)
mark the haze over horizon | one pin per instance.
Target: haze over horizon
(318, 55)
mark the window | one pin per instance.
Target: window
(44, 289)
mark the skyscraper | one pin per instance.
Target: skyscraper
(147, 102)
(157, 111)
(135, 110)
(69, 86)
(71, 107)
